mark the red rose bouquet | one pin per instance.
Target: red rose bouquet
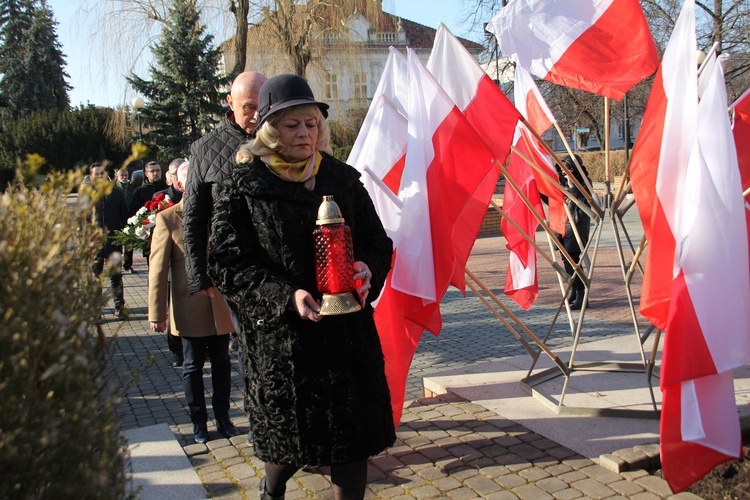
(137, 233)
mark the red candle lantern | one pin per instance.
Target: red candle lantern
(334, 261)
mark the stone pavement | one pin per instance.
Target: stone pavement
(447, 447)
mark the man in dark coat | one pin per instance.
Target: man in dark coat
(211, 162)
(111, 214)
(152, 184)
(122, 181)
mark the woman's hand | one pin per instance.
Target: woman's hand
(305, 305)
(363, 275)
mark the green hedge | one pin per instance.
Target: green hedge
(59, 434)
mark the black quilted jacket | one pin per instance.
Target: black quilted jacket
(318, 392)
(211, 163)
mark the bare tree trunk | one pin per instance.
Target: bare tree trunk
(240, 9)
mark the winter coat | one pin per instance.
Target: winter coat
(174, 194)
(318, 392)
(582, 222)
(211, 163)
(189, 315)
(111, 214)
(145, 193)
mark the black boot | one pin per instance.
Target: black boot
(571, 295)
(263, 493)
(578, 304)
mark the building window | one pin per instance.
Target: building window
(360, 86)
(332, 86)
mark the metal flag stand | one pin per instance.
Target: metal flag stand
(616, 207)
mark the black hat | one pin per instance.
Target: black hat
(284, 91)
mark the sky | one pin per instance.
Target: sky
(96, 82)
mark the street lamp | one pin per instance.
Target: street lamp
(138, 104)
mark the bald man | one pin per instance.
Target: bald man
(212, 160)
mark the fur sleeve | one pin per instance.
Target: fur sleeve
(233, 263)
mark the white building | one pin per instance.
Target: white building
(342, 75)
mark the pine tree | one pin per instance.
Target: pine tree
(31, 59)
(183, 93)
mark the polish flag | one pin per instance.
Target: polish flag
(658, 162)
(741, 132)
(446, 166)
(379, 152)
(601, 46)
(486, 108)
(695, 196)
(521, 283)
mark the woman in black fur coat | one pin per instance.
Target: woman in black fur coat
(316, 385)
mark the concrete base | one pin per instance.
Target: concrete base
(497, 387)
(160, 469)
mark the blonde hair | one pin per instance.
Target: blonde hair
(266, 140)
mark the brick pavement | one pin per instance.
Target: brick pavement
(446, 447)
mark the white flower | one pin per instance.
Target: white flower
(133, 220)
(141, 212)
(141, 233)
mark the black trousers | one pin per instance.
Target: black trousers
(194, 350)
(127, 258)
(115, 280)
(577, 283)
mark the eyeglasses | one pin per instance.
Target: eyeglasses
(153, 170)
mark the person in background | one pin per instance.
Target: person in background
(110, 214)
(202, 323)
(122, 181)
(317, 386)
(583, 225)
(174, 194)
(213, 158)
(151, 185)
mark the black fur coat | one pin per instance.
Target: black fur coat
(317, 391)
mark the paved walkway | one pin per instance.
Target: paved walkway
(447, 447)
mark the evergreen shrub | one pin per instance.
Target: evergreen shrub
(59, 433)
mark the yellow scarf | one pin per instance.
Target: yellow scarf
(300, 171)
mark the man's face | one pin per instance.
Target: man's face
(172, 175)
(97, 173)
(245, 108)
(153, 172)
(243, 99)
(122, 175)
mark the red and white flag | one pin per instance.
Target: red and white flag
(380, 149)
(658, 163)
(479, 98)
(695, 196)
(601, 46)
(486, 108)
(741, 132)
(379, 153)
(445, 165)
(521, 283)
